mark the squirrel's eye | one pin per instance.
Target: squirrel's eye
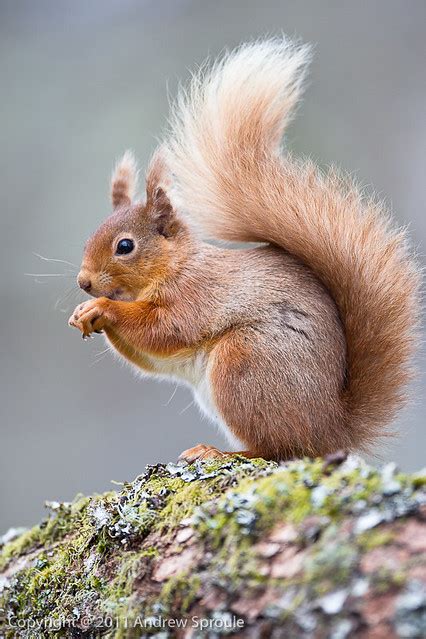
(124, 246)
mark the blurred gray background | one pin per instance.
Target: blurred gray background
(82, 81)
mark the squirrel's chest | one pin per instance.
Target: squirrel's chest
(190, 368)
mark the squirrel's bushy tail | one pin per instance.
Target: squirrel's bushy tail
(224, 151)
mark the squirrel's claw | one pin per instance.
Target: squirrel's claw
(89, 317)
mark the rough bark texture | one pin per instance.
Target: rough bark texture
(239, 548)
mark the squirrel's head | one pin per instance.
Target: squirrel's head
(140, 243)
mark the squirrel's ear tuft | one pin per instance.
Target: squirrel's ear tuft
(123, 180)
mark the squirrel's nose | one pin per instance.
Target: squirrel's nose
(84, 283)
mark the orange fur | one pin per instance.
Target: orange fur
(299, 347)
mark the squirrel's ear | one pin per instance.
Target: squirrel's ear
(161, 211)
(158, 204)
(123, 180)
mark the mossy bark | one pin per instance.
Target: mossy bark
(242, 548)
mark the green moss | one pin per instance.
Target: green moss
(287, 494)
(62, 521)
(419, 479)
(180, 591)
(385, 580)
(374, 539)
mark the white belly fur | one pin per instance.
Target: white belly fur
(192, 370)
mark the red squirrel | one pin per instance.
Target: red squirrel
(297, 345)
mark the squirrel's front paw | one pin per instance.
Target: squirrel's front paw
(90, 317)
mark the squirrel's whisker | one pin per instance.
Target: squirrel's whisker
(186, 407)
(171, 396)
(54, 259)
(49, 274)
(71, 292)
(100, 356)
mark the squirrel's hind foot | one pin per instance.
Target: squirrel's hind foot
(204, 451)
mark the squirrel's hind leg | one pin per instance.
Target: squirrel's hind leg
(249, 388)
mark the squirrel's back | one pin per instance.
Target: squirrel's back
(224, 153)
